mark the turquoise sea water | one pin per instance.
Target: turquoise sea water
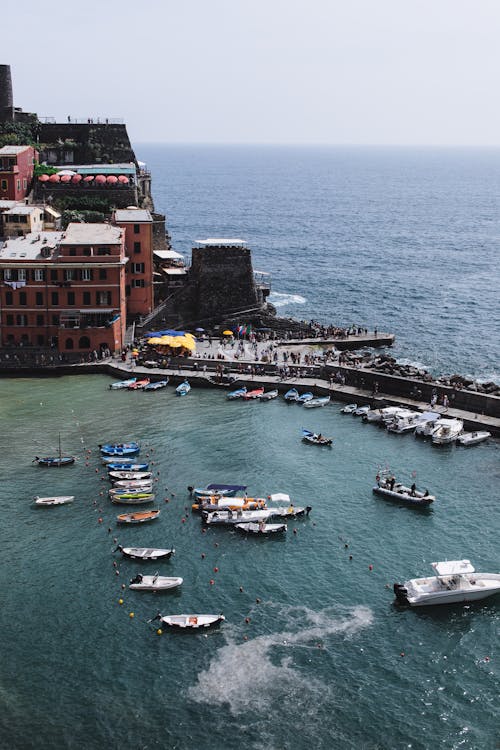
(319, 662)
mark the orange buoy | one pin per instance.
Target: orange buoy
(99, 520)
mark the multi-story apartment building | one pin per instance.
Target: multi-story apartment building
(16, 171)
(138, 226)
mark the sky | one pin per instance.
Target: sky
(390, 72)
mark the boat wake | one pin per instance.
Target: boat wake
(279, 299)
(264, 669)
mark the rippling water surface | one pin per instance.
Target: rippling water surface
(311, 651)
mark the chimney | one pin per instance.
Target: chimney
(6, 97)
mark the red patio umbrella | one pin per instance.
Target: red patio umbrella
(54, 178)
(100, 178)
(76, 178)
(43, 178)
(111, 179)
(66, 178)
(88, 178)
(123, 178)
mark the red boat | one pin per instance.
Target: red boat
(139, 384)
(256, 393)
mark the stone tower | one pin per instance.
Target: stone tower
(6, 97)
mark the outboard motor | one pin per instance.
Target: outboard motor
(401, 592)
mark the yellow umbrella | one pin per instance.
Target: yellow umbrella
(154, 340)
(227, 333)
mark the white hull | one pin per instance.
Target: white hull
(473, 438)
(146, 553)
(42, 502)
(154, 583)
(191, 622)
(317, 402)
(457, 582)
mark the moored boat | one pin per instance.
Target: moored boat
(291, 396)
(126, 465)
(154, 583)
(349, 409)
(261, 528)
(388, 488)
(42, 502)
(139, 385)
(120, 450)
(456, 582)
(138, 517)
(189, 622)
(120, 476)
(316, 402)
(447, 431)
(268, 395)
(145, 553)
(145, 485)
(132, 499)
(237, 393)
(183, 389)
(473, 438)
(304, 398)
(155, 386)
(227, 490)
(213, 503)
(232, 517)
(55, 461)
(122, 384)
(253, 394)
(361, 410)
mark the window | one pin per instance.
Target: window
(22, 298)
(137, 229)
(69, 344)
(71, 298)
(72, 251)
(40, 340)
(86, 298)
(7, 274)
(40, 320)
(55, 320)
(39, 298)
(69, 274)
(53, 276)
(22, 320)
(103, 273)
(103, 251)
(137, 267)
(39, 274)
(84, 342)
(25, 183)
(9, 320)
(55, 298)
(21, 274)
(137, 247)
(4, 184)
(9, 298)
(127, 290)
(137, 283)
(86, 274)
(86, 251)
(103, 298)
(18, 184)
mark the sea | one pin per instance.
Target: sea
(313, 651)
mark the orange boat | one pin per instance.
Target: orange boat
(140, 517)
(256, 393)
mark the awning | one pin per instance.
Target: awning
(50, 211)
(168, 255)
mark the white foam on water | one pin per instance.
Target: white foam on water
(255, 673)
(279, 299)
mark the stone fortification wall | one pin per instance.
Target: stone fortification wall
(223, 281)
(119, 197)
(87, 143)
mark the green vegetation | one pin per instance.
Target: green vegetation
(18, 134)
(82, 217)
(83, 203)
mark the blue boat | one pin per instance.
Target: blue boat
(122, 384)
(238, 393)
(120, 449)
(227, 490)
(55, 461)
(291, 396)
(183, 388)
(305, 397)
(156, 386)
(117, 466)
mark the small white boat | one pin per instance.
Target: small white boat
(145, 553)
(456, 582)
(130, 491)
(349, 409)
(305, 397)
(238, 393)
(404, 423)
(315, 402)
(122, 384)
(261, 528)
(361, 410)
(447, 431)
(189, 622)
(378, 415)
(473, 438)
(268, 395)
(427, 422)
(154, 583)
(145, 485)
(316, 438)
(289, 510)
(232, 517)
(156, 385)
(183, 389)
(41, 502)
(291, 396)
(116, 476)
(138, 517)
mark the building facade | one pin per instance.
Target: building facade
(137, 224)
(65, 290)
(16, 171)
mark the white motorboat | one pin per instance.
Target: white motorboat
(144, 485)
(189, 622)
(211, 490)
(447, 431)
(232, 517)
(404, 423)
(361, 410)
(145, 553)
(154, 583)
(316, 402)
(122, 384)
(289, 510)
(42, 502)
(473, 438)
(238, 393)
(261, 528)
(268, 395)
(115, 476)
(349, 409)
(291, 396)
(183, 389)
(378, 415)
(456, 582)
(427, 423)
(397, 492)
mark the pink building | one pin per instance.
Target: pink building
(16, 171)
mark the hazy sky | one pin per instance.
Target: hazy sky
(263, 71)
